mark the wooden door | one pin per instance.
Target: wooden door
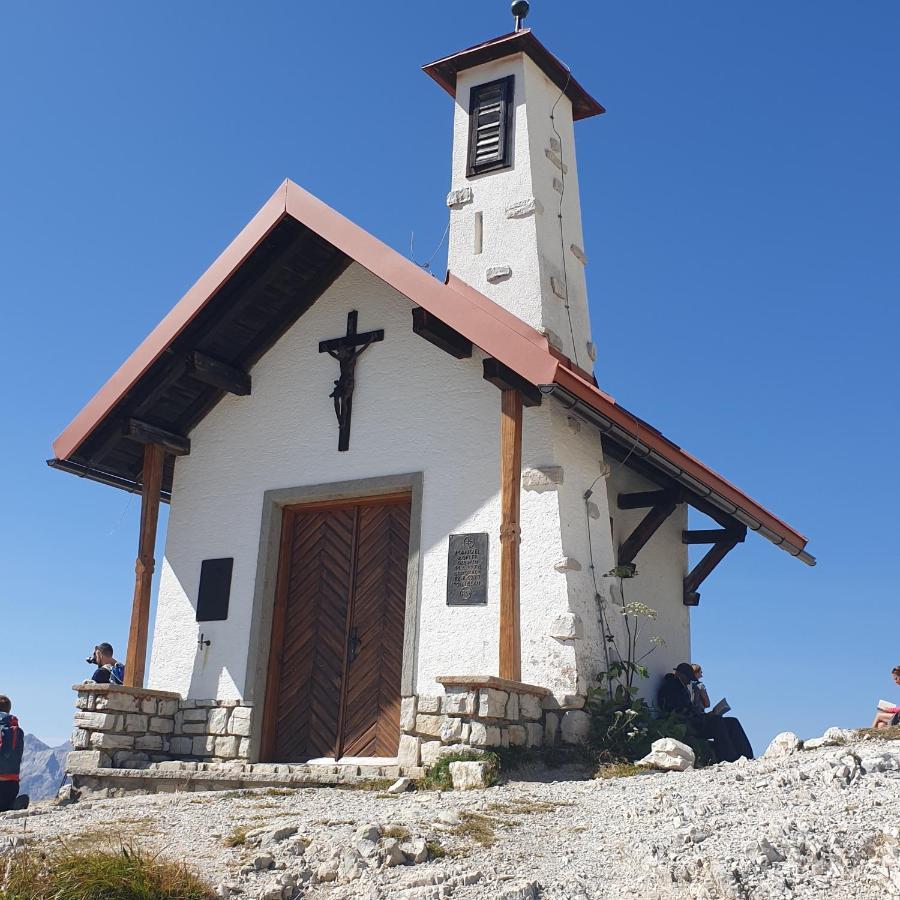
(337, 632)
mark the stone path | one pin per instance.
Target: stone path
(820, 823)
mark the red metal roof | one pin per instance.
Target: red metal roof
(444, 71)
(495, 330)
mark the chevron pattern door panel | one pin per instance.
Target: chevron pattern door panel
(371, 724)
(337, 634)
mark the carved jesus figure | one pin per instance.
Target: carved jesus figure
(343, 387)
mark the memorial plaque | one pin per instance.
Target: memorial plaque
(467, 568)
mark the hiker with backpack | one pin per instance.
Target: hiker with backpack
(109, 670)
(12, 745)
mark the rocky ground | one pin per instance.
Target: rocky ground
(812, 823)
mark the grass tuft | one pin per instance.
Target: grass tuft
(238, 836)
(621, 770)
(436, 850)
(437, 778)
(397, 832)
(891, 733)
(124, 874)
(365, 784)
(477, 828)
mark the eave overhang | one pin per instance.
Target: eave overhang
(273, 271)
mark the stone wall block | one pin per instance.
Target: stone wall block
(459, 702)
(88, 759)
(431, 752)
(161, 725)
(181, 746)
(575, 726)
(452, 730)
(203, 746)
(227, 747)
(530, 707)
(518, 735)
(194, 728)
(535, 734)
(80, 739)
(98, 721)
(167, 707)
(103, 741)
(408, 713)
(244, 748)
(149, 706)
(240, 721)
(551, 729)
(118, 702)
(218, 720)
(543, 478)
(206, 704)
(148, 742)
(129, 759)
(84, 701)
(512, 707)
(492, 703)
(429, 725)
(195, 715)
(136, 724)
(408, 753)
(428, 705)
(482, 735)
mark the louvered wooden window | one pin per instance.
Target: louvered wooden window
(490, 126)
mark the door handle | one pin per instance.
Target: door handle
(355, 643)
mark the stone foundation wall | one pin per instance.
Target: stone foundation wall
(483, 712)
(130, 728)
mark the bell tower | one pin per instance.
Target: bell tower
(515, 212)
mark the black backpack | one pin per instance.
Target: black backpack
(12, 745)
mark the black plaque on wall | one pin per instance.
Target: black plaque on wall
(467, 568)
(215, 590)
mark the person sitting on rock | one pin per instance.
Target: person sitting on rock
(12, 745)
(886, 717)
(728, 737)
(699, 696)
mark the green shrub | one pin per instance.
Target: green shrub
(438, 776)
(123, 874)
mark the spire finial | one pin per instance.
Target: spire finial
(520, 10)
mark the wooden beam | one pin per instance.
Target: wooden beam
(218, 374)
(644, 531)
(712, 535)
(440, 334)
(645, 499)
(702, 570)
(144, 433)
(151, 479)
(504, 378)
(510, 490)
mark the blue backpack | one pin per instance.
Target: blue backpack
(117, 674)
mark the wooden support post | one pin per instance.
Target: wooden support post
(510, 488)
(151, 479)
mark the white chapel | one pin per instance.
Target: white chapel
(404, 515)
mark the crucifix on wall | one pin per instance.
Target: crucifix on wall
(347, 350)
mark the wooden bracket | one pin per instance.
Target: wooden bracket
(440, 334)
(713, 535)
(645, 499)
(504, 378)
(647, 528)
(727, 541)
(144, 433)
(218, 374)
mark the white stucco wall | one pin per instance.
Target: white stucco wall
(531, 246)
(415, 409)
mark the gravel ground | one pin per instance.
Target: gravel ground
(817, 823)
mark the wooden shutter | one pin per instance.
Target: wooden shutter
(215, 590)
(490, 126)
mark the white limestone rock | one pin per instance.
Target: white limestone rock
(460, 197)
(524, 208)
(530, 706)
(468, 776)
(664, 761)
(484, 735)
(512, 707)
(567, 627)
(429, 725)
(431, 752)
(496, 274)
(408, 713)
(783, 744)
(542, 478)
(518, 736)
(459, 702)
(428, 705)
(409, 750)
(400, 786)
(551, 729)
(452, 730)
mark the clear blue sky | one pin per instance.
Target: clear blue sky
(740, 203)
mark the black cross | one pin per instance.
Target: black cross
(347, 350)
